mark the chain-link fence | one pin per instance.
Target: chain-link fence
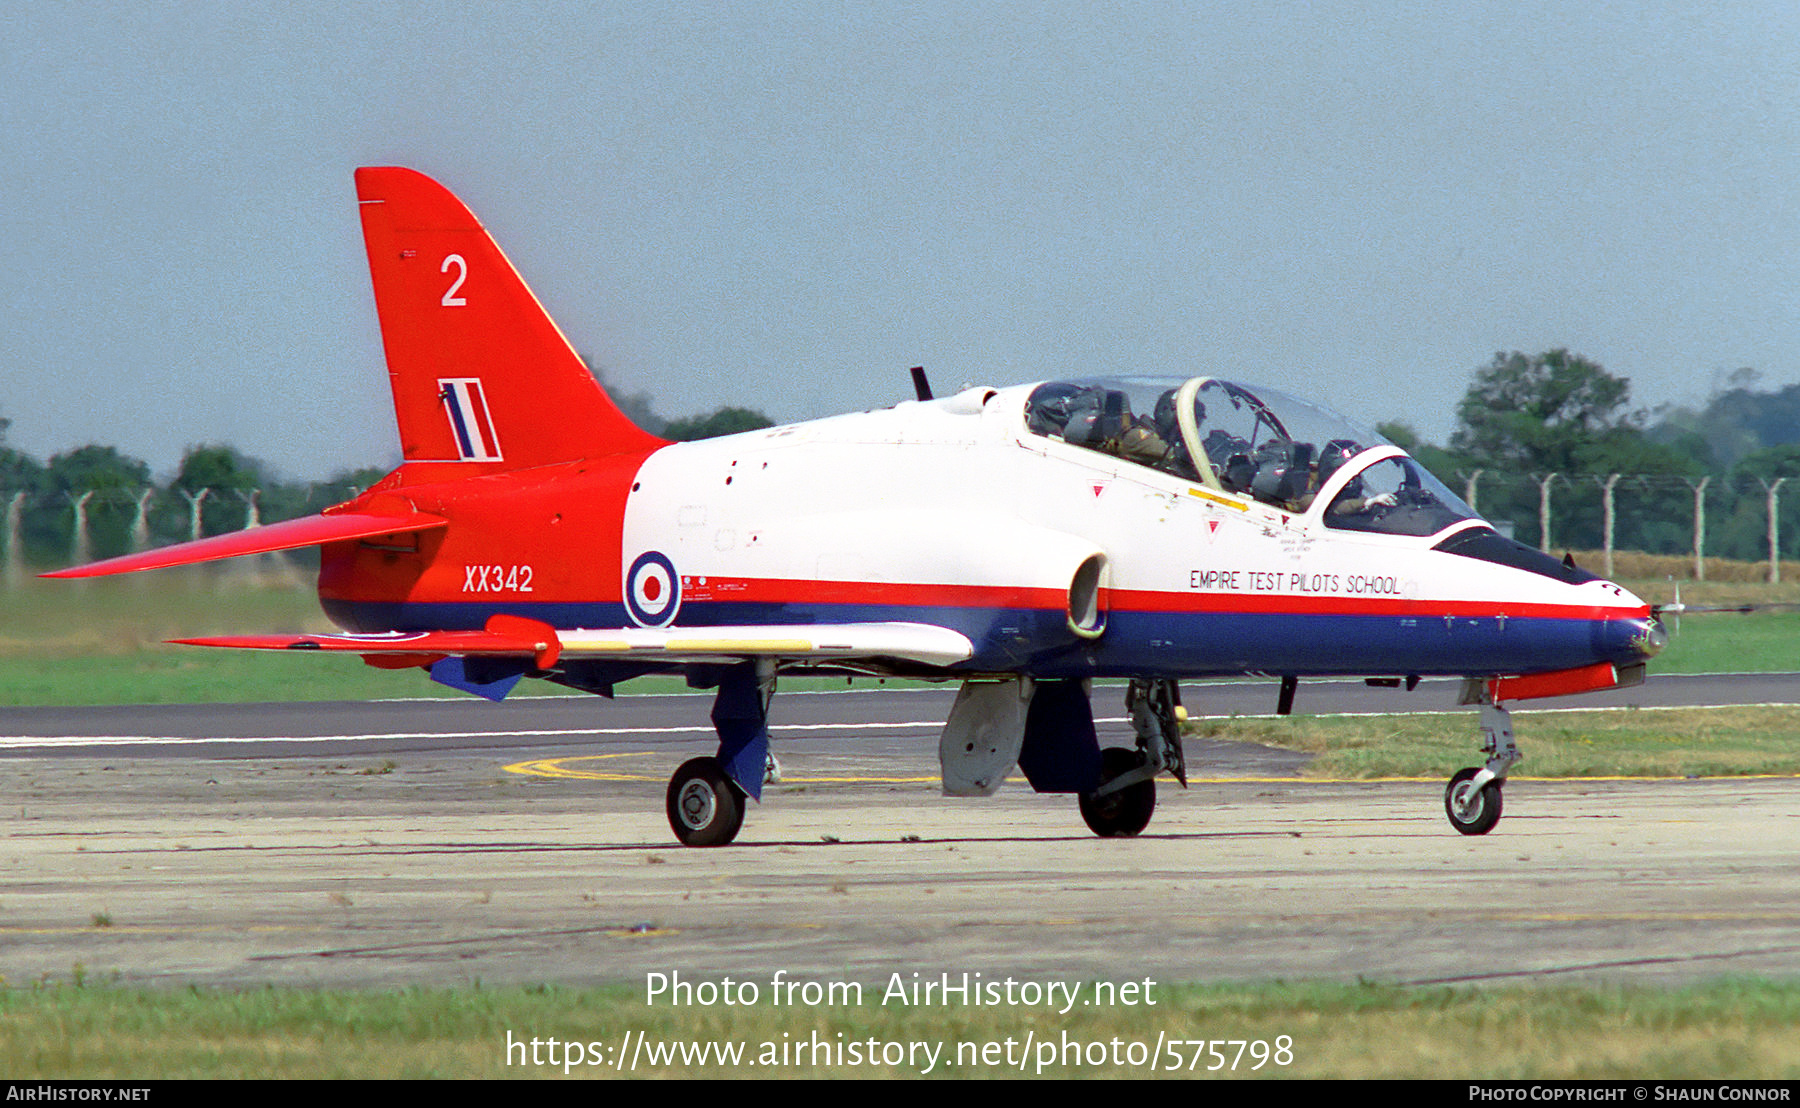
(43, 530)
(1742, 519)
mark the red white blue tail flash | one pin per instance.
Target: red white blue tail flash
(469, 418)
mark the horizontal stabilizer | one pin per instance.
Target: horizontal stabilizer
(504, 635)
(290, 535)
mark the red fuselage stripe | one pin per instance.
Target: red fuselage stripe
(790, 591)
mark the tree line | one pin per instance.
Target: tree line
(1557, 427)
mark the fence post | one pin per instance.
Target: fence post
(1774, 505)
(80, 548)
(253, 566)
(195, 525)
(1606, 500)
(1544, 512)
(1700, 528)
(15, 557)
(140, 523)
(1469, 488)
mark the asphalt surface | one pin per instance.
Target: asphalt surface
(433, 842)
(862, 715)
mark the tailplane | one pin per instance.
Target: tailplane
(337, 525)
(479, 371)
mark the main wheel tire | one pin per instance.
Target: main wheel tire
(1483, 810)
(706, 808)
(1126, 812)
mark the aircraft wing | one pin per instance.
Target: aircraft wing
(517, 636)
(290, 535)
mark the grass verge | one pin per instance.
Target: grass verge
(1673, 742)
(1736, 1028)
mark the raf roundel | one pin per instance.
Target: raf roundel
(652, 590)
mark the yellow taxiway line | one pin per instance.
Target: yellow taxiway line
(564, 769)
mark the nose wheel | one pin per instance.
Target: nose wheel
(1473, 808)
(706, 808)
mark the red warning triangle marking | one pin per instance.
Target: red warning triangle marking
(1213, 524)
(1098, 489)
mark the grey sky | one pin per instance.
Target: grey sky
(787, 204)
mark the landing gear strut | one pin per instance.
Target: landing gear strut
(1472, 798)
(706, 795)
(1156, 714)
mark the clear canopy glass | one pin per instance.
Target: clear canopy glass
(1251, 441)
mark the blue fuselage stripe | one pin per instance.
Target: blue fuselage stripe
(1172, 644)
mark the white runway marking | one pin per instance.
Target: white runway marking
(26, 741)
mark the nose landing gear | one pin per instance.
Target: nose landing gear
(1472, 798)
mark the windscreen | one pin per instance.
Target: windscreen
(1249, 440)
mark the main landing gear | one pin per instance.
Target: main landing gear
(1472, 798)
(706, 808)
(707, 796)
(1126, 799)
(1120, 807)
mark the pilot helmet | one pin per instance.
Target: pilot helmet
(1165, 418)
(1083, 428)
(1051, 406)
(1335, 454)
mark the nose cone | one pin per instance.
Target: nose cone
(1628, 642)
(1648, 637)
(1627, 632)
(1638, 637)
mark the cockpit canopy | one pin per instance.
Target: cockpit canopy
(1250, 441)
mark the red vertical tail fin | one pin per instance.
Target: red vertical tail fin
(480, 372)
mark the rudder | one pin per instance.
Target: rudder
(479, 371)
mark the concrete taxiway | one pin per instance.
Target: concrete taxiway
(504, 848)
